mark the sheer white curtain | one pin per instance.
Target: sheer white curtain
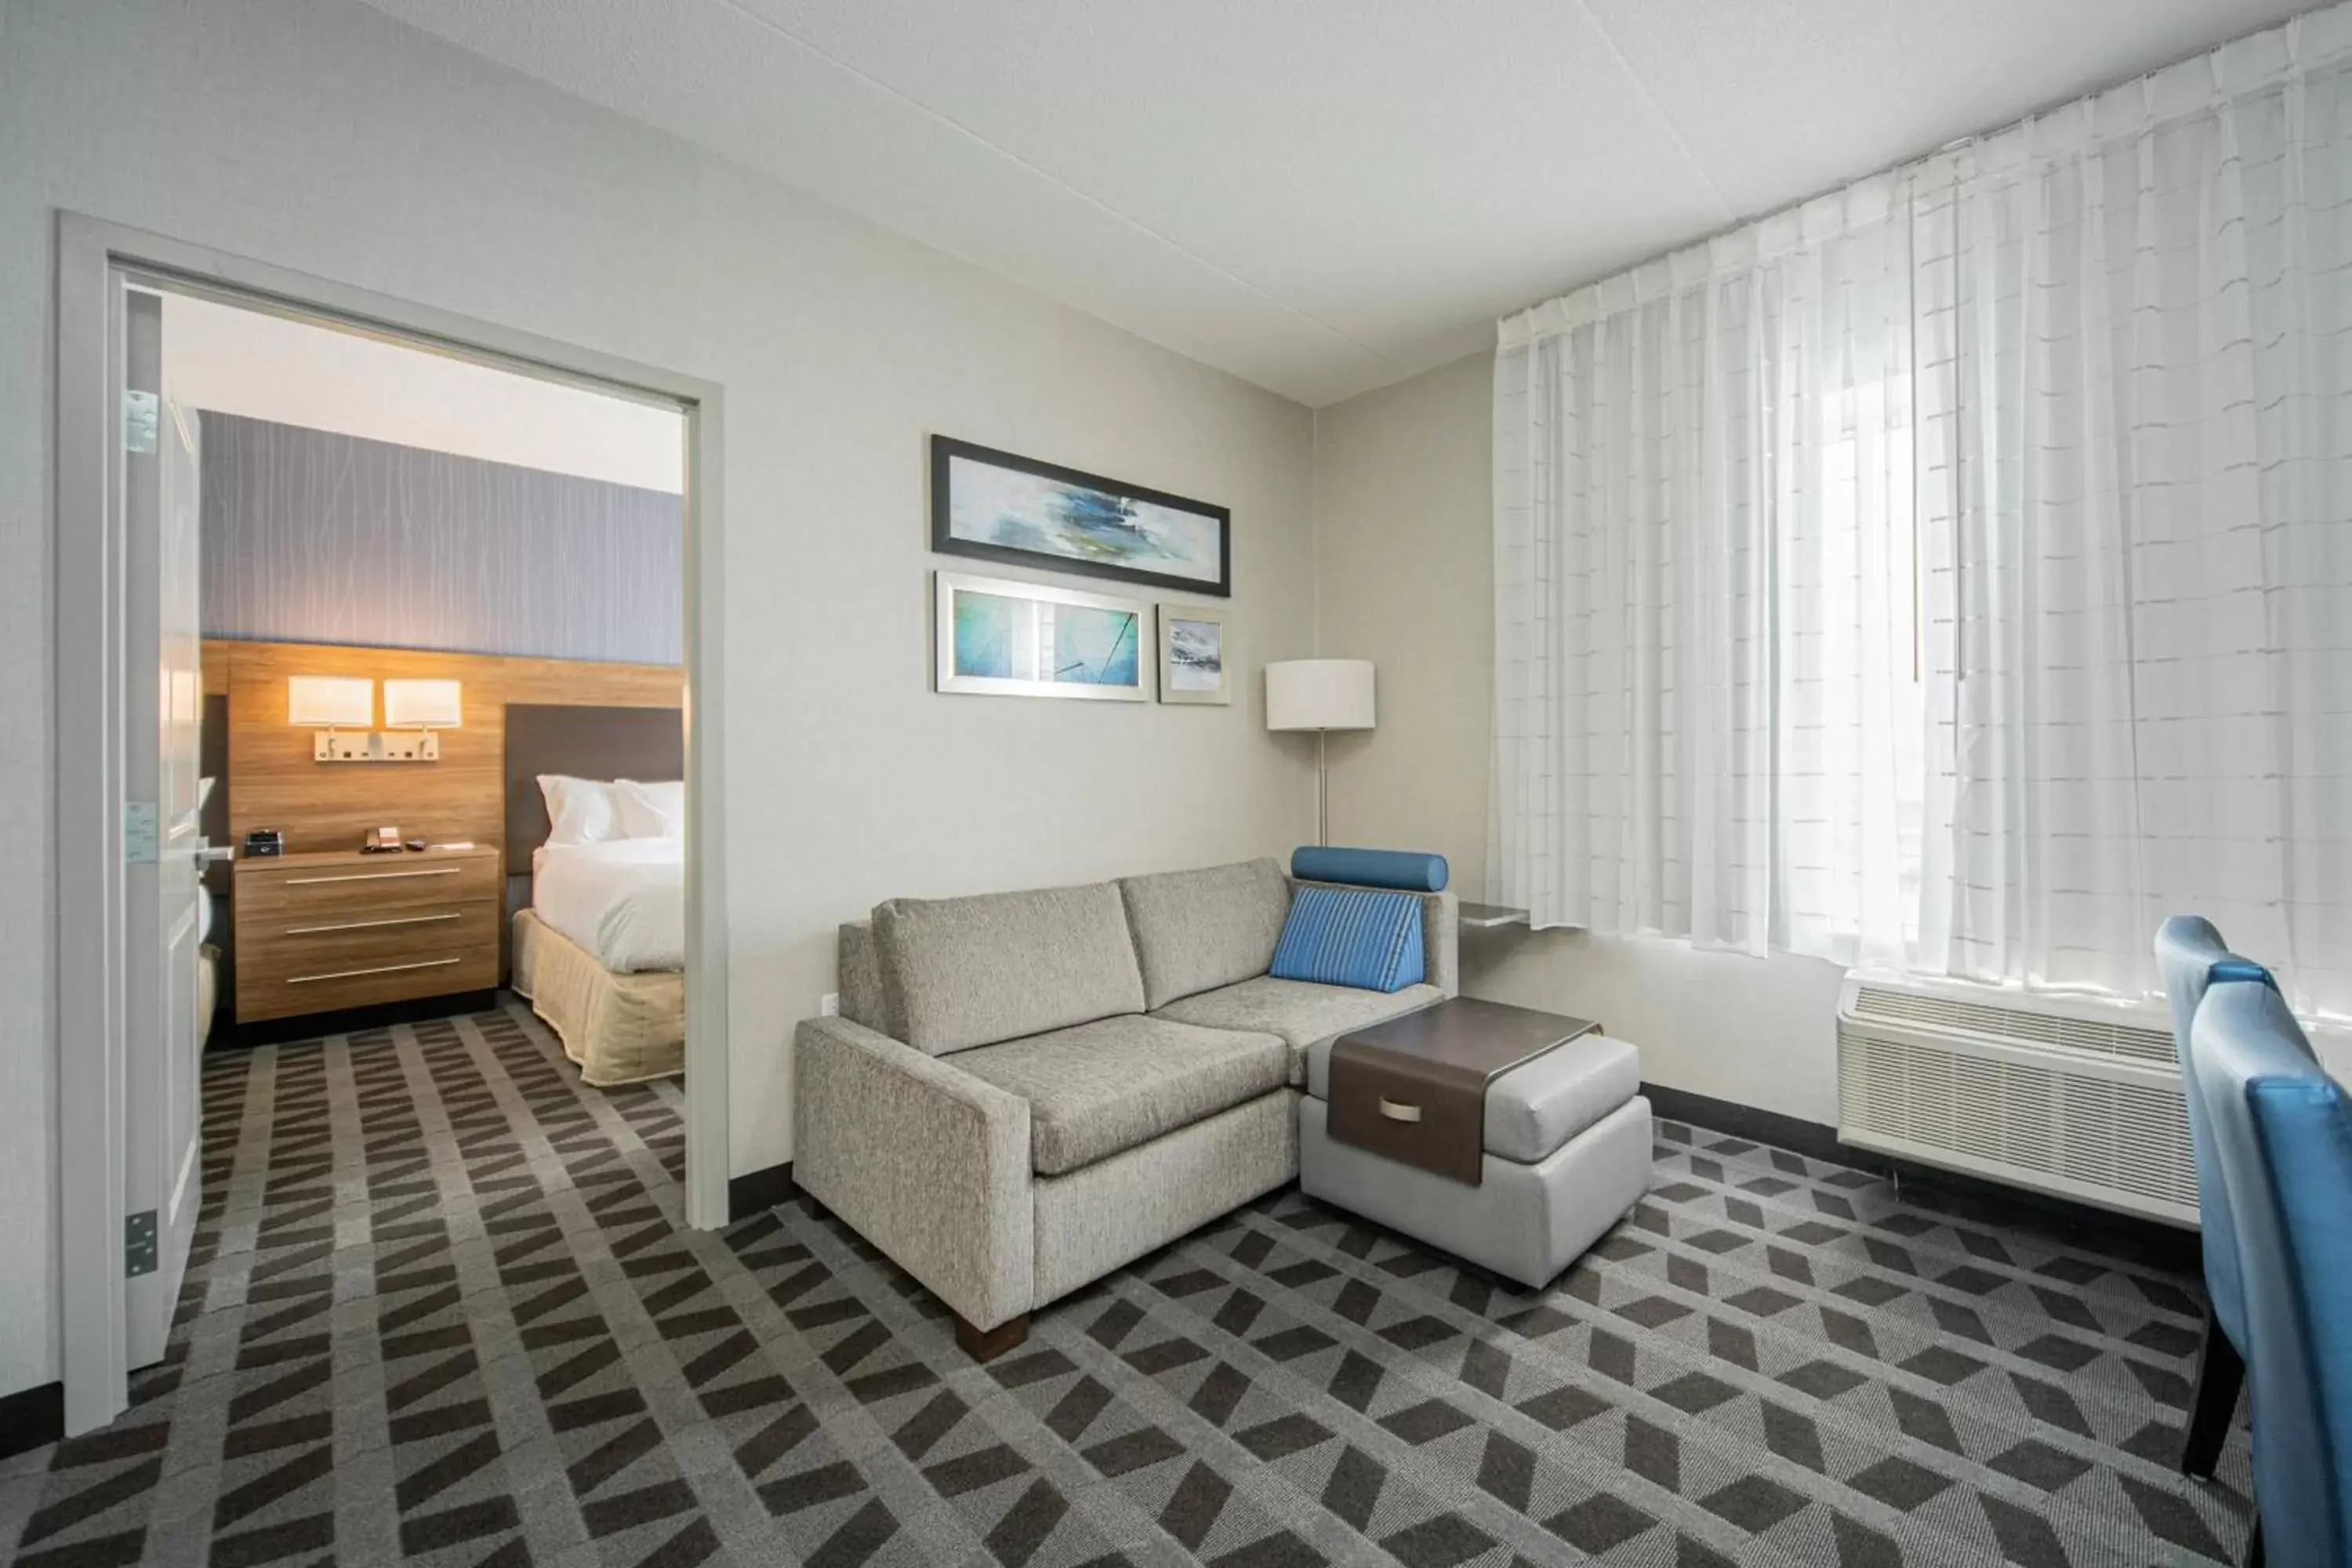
(1771, 676)
(2137, 421)
(1708, 715)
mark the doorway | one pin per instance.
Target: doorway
(130, 843)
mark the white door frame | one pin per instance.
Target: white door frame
(87, 651)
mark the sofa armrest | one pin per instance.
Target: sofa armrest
(1441, 939)
(925, 1160)
(1441, 931)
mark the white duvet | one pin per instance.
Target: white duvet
(624, 900)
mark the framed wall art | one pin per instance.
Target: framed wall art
(1017, 511)
(996, 638)
(1194, 665)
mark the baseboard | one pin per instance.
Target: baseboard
(1952, 1192)
(756, 1192)
(31, 1417)
(1811, 1139)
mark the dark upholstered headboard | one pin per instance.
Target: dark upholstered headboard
(646, 744)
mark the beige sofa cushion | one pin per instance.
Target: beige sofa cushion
(958, 972)
(1301, 1012)
(1101, 1087)
(1195, 930)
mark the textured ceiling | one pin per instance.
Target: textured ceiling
(1323, 195)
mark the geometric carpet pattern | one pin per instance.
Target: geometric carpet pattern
(441, 1309)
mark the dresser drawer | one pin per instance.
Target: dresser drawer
(299, 895)
(274, 993)
(301, 944)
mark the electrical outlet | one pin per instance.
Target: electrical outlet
(829, 1004)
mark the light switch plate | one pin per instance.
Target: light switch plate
(829, 1004)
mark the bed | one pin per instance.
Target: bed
(599, 930)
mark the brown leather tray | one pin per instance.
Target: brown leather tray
(1414, 1089)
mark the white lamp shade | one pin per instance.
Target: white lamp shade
(1319, 694)
(330, 701)
(422, 704)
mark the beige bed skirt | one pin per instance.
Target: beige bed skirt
(620, 1028)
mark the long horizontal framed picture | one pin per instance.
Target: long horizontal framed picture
(1020, 512)
(1000, 638)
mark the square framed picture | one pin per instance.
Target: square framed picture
(1193, 662)
(1023, 512)
(996, 638)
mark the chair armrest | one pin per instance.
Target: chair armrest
(1441, 931)
(925, 1160)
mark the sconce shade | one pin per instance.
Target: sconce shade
(422, 704)
(1319, 694)
(330, 701)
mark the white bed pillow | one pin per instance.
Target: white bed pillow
(651, 810)
(580, 811)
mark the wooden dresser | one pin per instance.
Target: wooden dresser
(327, 931)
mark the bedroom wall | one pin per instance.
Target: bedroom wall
(1404, 577)
(363, 151)
(315, 536)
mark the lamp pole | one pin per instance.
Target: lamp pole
(1322, 790)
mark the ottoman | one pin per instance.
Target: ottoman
(1565, 1154)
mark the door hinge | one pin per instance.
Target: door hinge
(138, 1244)
(140, 412)
(140, 832)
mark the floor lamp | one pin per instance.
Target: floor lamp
(1322, 695)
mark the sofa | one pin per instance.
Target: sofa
(1025, 1092)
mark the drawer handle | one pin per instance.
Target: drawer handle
(372, 925)
(372, 876)
(379, 969)
(1397, 1111)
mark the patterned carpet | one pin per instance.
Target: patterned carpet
(441, 1309)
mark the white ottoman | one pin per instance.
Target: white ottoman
(1567, 1153)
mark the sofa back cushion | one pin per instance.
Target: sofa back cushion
(1195, 930)
(958, 972)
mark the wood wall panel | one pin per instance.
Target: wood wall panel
(274, 781)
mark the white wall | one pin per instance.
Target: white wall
(320, 135)
(262, 366)
(1404, 577)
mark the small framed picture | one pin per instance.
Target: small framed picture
(1000, 638)
(1192, 665)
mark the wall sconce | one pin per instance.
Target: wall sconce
(424, 706)
(412, 710)
(330, 702)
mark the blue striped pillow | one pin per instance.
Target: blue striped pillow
(1351, 936)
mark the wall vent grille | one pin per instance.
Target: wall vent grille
(2080, 1111)
(2058, 1031)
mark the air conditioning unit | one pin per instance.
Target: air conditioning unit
(2079, 1099)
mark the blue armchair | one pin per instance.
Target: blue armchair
(2192, 958)
(2280, 1131)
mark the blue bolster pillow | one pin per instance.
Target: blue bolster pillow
(1412, 872)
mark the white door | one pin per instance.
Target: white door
(164, 716)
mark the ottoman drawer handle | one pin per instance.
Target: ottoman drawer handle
(1396, 1110)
